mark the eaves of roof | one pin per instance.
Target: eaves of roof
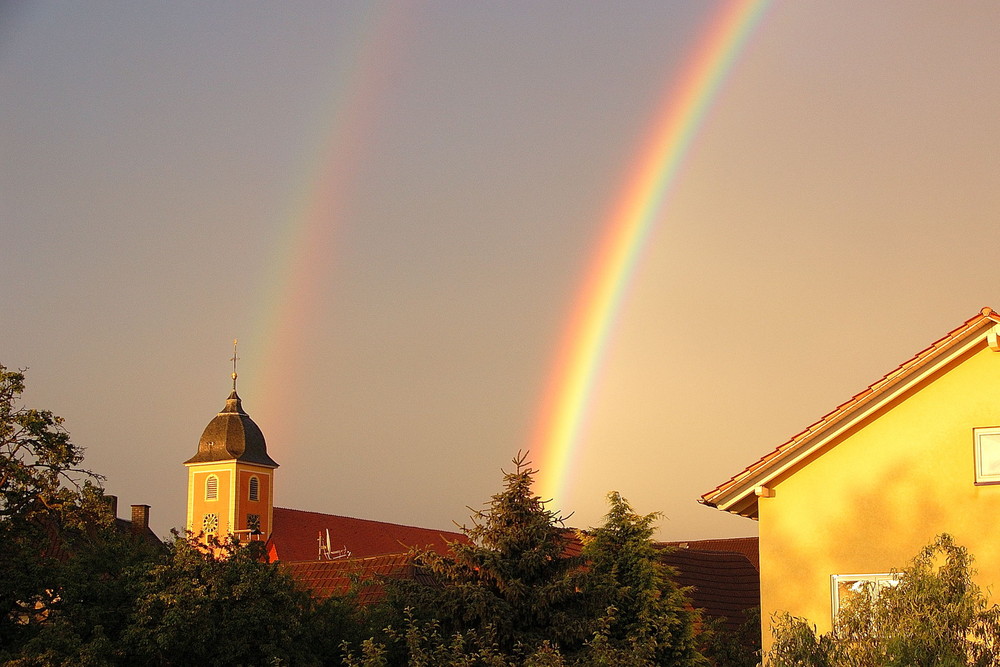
(739, 493)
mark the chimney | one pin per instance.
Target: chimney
(112, 503)
(140, 518)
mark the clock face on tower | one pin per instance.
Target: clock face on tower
(210, 524)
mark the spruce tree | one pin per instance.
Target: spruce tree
(513, 583)
(650, 618)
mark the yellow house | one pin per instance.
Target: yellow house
(860, 491)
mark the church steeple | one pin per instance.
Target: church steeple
(230, 478)
(232, 435)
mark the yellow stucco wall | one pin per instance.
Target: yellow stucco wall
(870, 501)
(263, 506)
(199, 506)
(233, 502)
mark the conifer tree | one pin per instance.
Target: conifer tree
(650, 619)
(513, 582)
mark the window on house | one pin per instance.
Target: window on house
(845, 586)
(254, 488)
(210, 524)
(212, 488)
(987, 454)
(253, 522)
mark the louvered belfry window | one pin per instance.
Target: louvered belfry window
(254, 488)
(212, 488)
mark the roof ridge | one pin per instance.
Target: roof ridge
(869, 393)
(353, 518)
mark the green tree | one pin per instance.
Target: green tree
(225, 605)
(513, 582)
(652, 620)
(49, 506)
(93, 587)
(521, 592)
(40, 468)
(734, 648)
(934, 615)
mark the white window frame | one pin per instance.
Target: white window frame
(253, 488)
(987, 454)
(880, 579)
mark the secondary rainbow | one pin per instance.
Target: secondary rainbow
(319, 192)
(641, 205)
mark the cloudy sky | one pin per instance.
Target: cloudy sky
(395, 207)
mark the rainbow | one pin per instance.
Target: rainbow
(318, 195)
(565, 404)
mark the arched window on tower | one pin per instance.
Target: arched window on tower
(254, 488)
(212, 488)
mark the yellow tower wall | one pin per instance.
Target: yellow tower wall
(263, 506)
(233, 503)
(199, 505)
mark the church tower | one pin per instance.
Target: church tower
(231, 478)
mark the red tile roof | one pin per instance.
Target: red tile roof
(324, 578)
(295, 536)
(748, 546)
(737, 493)
(723, 584)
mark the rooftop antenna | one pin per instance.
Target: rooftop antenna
(234, 360)
(327, 552)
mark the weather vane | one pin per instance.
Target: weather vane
(234, 360)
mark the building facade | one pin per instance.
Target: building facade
(858, 493)
(231, 478)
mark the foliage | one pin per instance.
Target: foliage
(94, 586)
(425, 646)
(40, 469)
(739, 648)
(934, 615)
(513, 579)
(49, 506)
(652, 616)
(224, 603)
(516, 594)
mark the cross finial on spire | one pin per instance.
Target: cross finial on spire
(234, 360)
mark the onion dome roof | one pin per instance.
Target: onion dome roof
(232, 435)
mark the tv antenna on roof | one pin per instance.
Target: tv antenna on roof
(326, 552)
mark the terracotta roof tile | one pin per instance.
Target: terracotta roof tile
(365, 576)
(295, 536)
(747, 546)
(723, 584)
